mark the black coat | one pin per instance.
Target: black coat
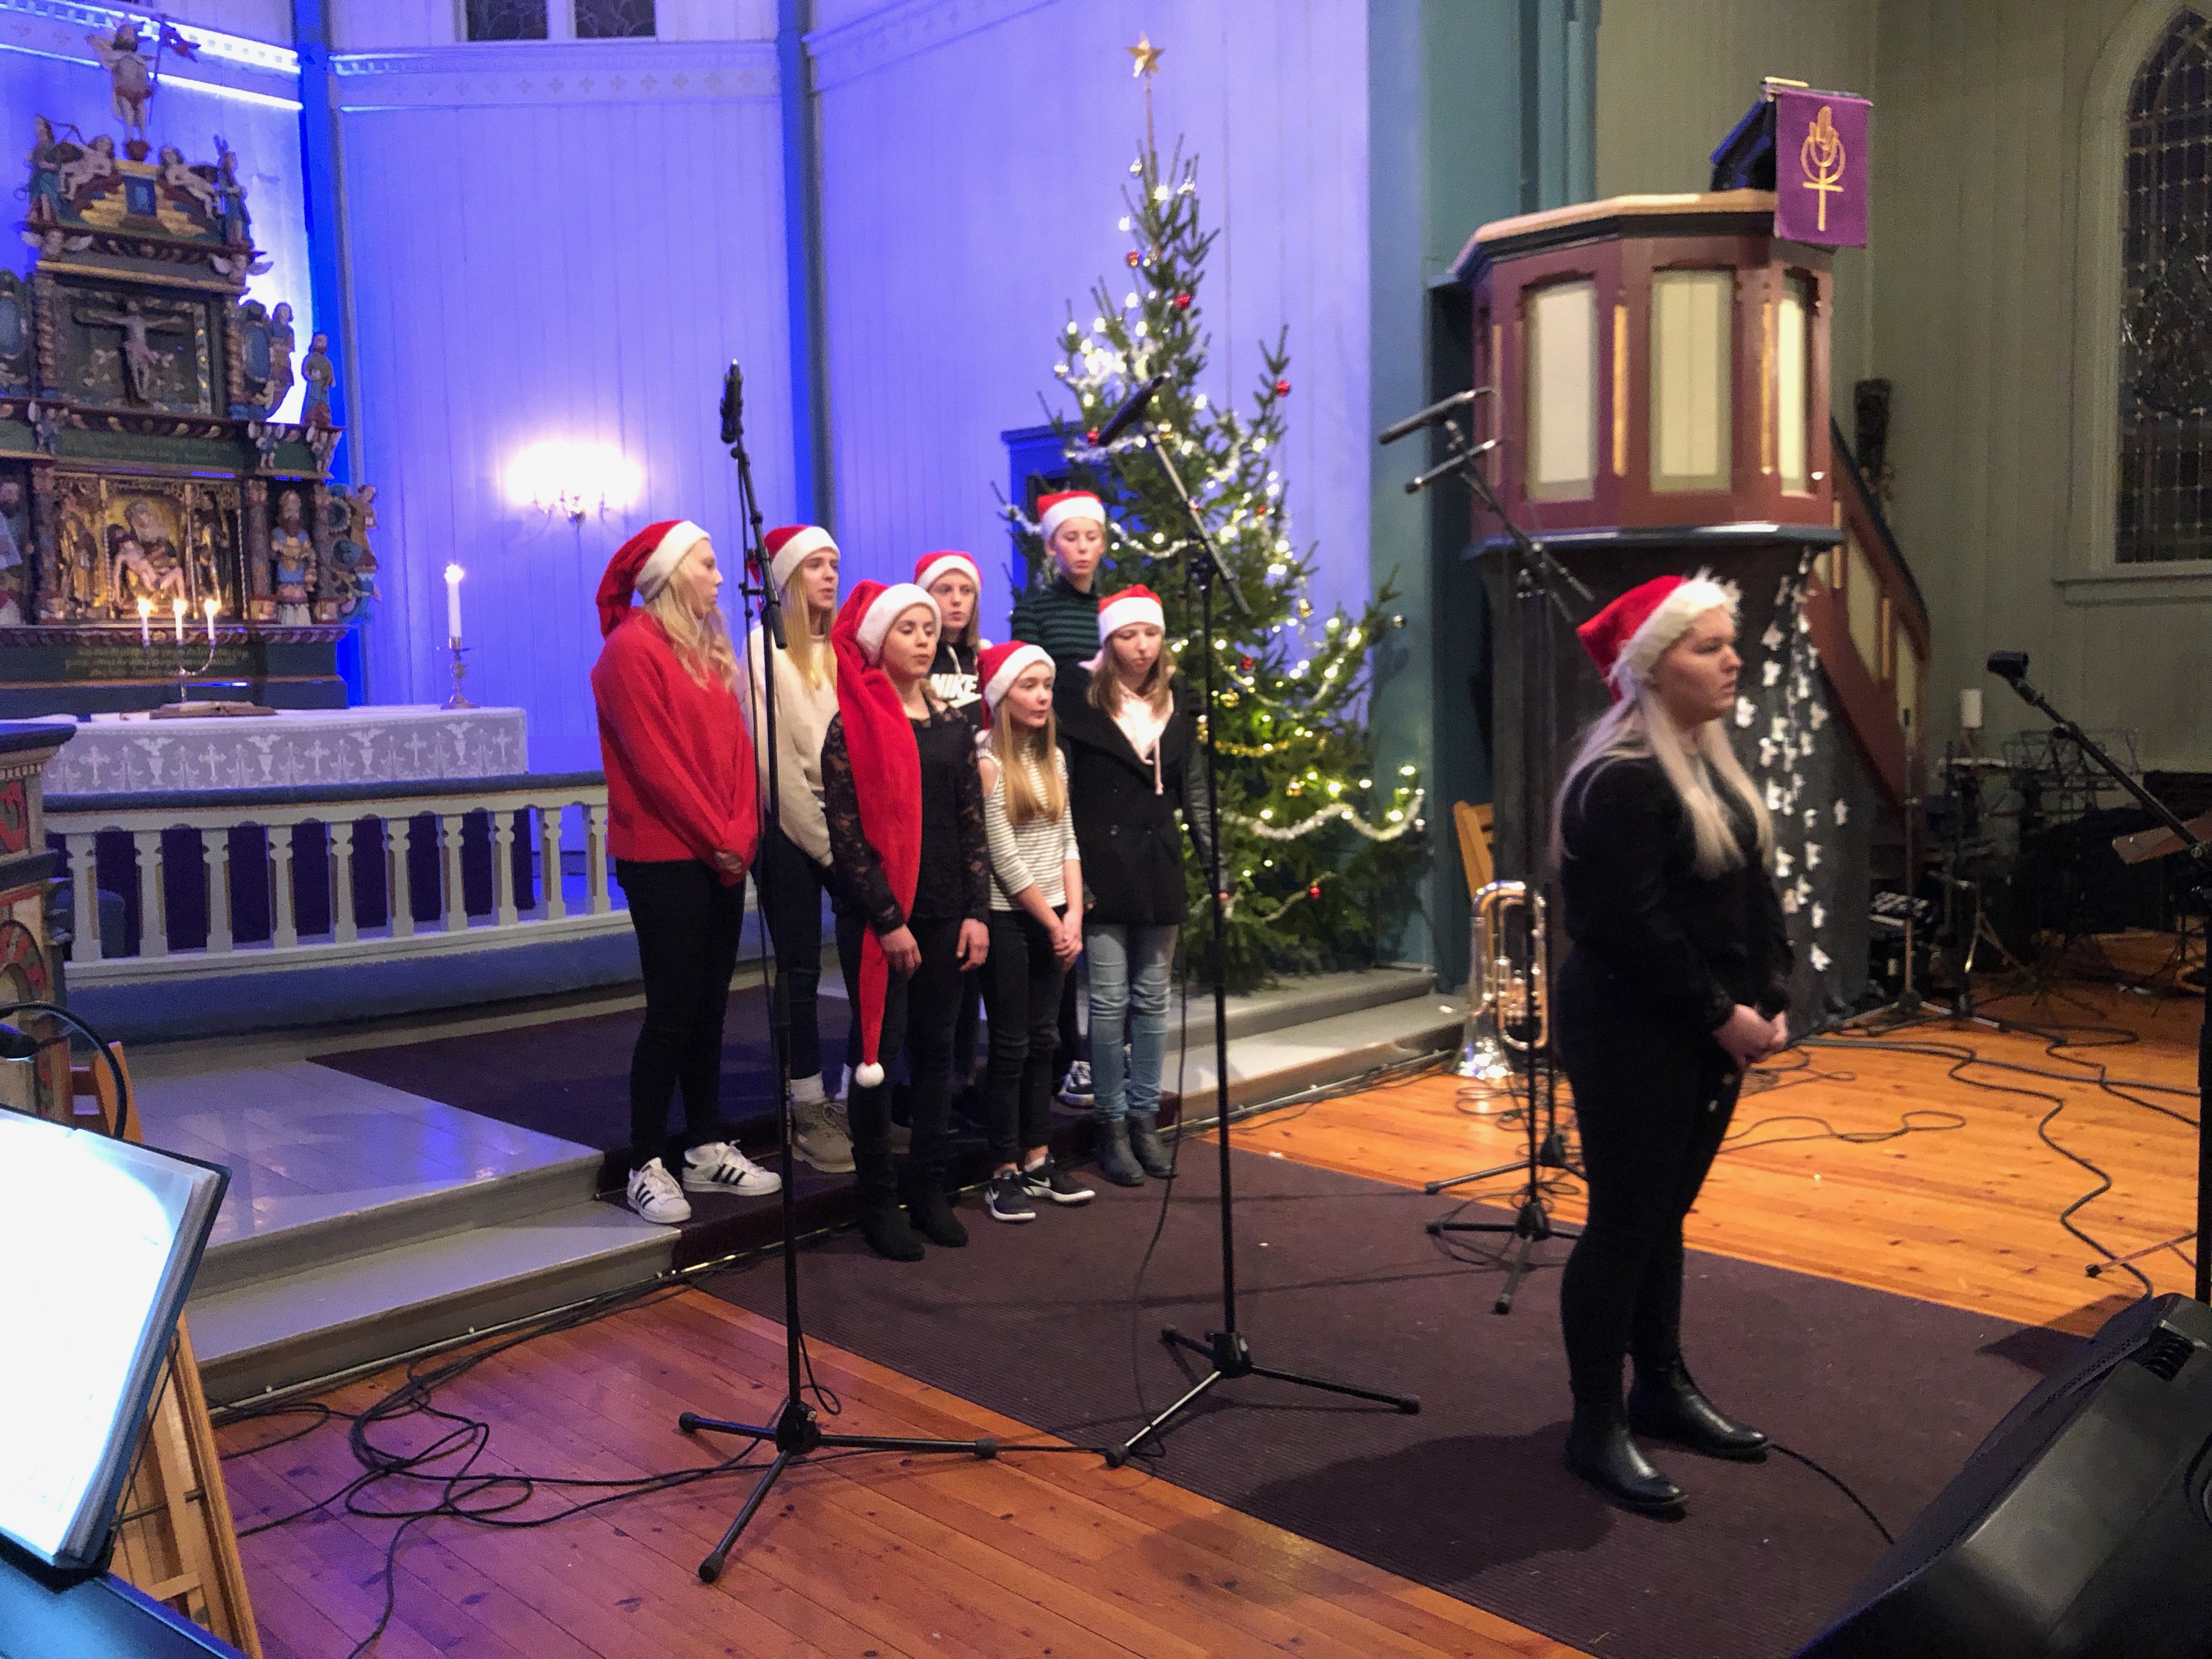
(1673, 944)
(1124, 826)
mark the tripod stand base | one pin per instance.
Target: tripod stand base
(1528, 1229)
(1230, 1358)
(795, 1433)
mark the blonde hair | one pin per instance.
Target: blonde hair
(972, 635)
(1638, 725)
(808, 648)
(1027, 755)
(1106, 691)
(701, 644)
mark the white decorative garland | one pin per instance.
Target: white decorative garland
(1334, 810)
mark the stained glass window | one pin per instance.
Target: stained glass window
(506, 19)
(613, 20)
(2165, 501)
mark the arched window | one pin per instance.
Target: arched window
(2163, 506)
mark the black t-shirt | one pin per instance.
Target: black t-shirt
(953, 677)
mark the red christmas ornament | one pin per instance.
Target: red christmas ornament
(1245, 662)
(1091, 436)
(1134, 258)
(1261, 511)
(1313, 891)
(1282, 388)
(1182, 302)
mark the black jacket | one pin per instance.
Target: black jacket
(1132, 851)
(1673, 943)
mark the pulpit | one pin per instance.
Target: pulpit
(31, 938)
(1658, 376)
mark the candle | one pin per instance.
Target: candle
(146, 624)
(177, 611)
(1970, 708)
(453, 602)
(211, 606)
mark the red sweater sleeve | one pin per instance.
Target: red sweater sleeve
(642, 695)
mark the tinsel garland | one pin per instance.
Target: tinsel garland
(1334, 810)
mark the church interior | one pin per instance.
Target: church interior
(353, 353)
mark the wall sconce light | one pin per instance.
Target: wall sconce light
(575, 480)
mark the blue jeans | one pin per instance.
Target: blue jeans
(1128, 976)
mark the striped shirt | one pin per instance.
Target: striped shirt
(1026, 853)
(1058, 621)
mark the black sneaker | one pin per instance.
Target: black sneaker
(1008, 1198)
(1049, 1181)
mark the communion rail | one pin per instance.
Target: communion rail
(233, 880)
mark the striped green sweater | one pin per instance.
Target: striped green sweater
(1061, 622)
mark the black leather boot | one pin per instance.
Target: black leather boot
(1600, 1450)
(1151, 1151)
(882, 1222)
(1116, 1161)
(1667, 1405)
(931, 1210)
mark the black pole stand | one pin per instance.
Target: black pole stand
(796, 1432)
(1227, 1354)
(1537, 578)
(2011, 666)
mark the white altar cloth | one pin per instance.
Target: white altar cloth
(391, 743)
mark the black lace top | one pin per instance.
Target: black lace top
(955, 875)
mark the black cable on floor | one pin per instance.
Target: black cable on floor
(1837, 1482)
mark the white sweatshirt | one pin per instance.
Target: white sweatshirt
(803, 714)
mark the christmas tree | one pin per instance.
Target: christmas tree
(1318, 852)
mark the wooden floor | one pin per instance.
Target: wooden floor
(876, 1556)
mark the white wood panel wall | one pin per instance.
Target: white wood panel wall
(533, 265)
(974, 157)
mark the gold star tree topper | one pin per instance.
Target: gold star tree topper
(1148, 56)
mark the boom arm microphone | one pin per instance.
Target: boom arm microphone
(1131, 406)
(733, 404)
(2008, 665)
(1430, 416)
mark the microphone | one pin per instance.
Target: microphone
(733, 404)
(1415, 486)
(1133, 406)
(2008, 665)
(1430, 416)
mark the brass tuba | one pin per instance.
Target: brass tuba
(1507, 1012)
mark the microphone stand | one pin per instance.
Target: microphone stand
(1227, 1354)
(796, 1432)
(2015, 674)
(1537, 578)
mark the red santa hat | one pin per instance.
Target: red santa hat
(791, 545)
(930, 566)
(1053, 511)
(1626, 638)
(642, 566)
(1131, 604)
(886, 778)
(1002, 665)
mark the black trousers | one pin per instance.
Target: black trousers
(791, 889)
(918, 1012)
(1653, 1102)
(687, 924)
(1021, 988)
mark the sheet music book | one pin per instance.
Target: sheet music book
(100, 1239)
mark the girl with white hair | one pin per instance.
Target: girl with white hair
(1677, 981)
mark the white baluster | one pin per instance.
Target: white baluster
(595, 856)
(153, 916)
(502, 869)
(343, 930)
(549, 863)
(457, 908)
(398, 883)
(214, 857)
(283, 926)
(84, 885)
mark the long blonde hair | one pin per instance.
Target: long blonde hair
(808, 648)
(701, 644)
(1638, 725)
(1106, 690)
(1029, 762)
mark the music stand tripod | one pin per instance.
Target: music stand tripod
(796, 1432)
(1537, 577)
(1227, 1354)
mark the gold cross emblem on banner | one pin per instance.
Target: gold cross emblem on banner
(1821, 156)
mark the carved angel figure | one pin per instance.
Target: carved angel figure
(177, 176)
(92, 162)
(133, 81)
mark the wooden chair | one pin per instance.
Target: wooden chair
(1473, 824)
(93, 1081)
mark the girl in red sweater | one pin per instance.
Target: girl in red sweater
(683, 824)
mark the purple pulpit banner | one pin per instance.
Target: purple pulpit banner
(1820, 168)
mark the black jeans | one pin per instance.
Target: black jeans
(919, 1013)
(687, 924)
(1021, 987)
(791, 889)
(1653, 1102)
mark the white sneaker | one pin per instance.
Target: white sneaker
(1075, 1087)
(819, 1135)
(654, 1194)
(719, 1167)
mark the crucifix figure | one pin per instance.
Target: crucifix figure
(140, 359)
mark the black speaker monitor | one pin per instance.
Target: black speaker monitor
(2079, 1527)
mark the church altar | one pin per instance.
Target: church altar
(302, 748)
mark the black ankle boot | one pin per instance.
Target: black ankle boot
(1666, 1405)
(1116, 1161)
(882, 1222)
(1600, 1450)
(931, 1213)
(1151, 1151)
